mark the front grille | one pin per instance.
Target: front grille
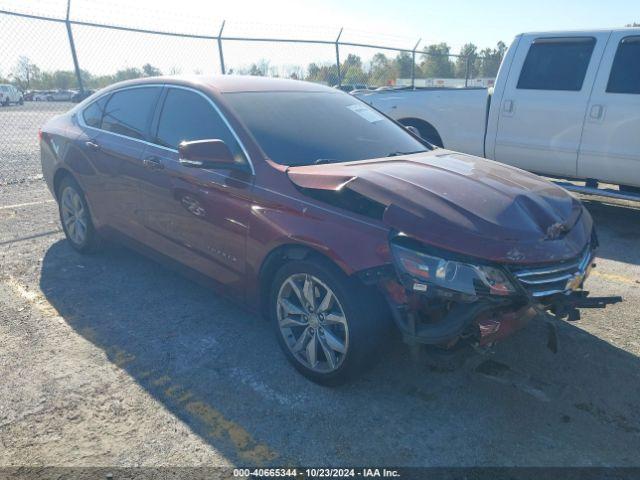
(550, 279)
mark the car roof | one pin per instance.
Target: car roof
(230, 83)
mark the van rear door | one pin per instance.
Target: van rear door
(610, 147)
(543, 107)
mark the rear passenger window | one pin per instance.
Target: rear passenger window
(187, 116)
(625, 71)
(128, 112)
(556, 64)
(92, 115)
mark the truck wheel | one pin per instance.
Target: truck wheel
(21, 101)
(325, 321)
(76, 218)
(427, 132)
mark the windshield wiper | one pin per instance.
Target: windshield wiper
(320, 161)
(398, 154)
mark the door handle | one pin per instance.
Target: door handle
(92, 145)
(596, 112)
(507, 107)
(152, 163)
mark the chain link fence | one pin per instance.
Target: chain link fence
(65, 51)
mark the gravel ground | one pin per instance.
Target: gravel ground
(19, 151)
(113, 360)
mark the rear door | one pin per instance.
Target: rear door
(610, 148)
(115, 147)
(197, 216)
(544, 103)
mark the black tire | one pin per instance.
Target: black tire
(21, 101)
(362, 309)
(427, 132)
(92, 241)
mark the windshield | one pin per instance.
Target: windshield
(305, 128)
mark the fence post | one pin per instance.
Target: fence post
(222, 69)
(413, 63)
(338, 57)
(72, 44)
(466, 73)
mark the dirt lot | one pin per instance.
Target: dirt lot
(111, 359)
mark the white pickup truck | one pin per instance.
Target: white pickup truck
(565, 104)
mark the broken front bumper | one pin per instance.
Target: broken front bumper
(482, 321)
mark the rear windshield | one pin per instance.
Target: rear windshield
(303, 128)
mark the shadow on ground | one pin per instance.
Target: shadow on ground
(221, 372)
(618, 227)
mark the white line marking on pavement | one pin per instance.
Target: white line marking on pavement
(28, 204)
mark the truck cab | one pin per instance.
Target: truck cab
(565, 104)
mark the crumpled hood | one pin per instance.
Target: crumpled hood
(464, 203)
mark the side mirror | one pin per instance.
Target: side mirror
(413, 130)
(206, 154)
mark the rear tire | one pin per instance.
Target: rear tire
(76, 218)
(329, 341)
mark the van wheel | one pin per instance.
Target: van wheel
(21, 101)
(325, 322)
(76, 218)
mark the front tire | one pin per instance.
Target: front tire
(75, 217)
(326, 323)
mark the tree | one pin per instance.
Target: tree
(634, 24)
(468, 57)
(403, 64)
(326, 74)
(149, 70)
(351, 70)
(382, 71)
(435, 61)
(24, 72)
(490, 59)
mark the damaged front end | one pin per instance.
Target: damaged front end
(449, 301)
(477, 249)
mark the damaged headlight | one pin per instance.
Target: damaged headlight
(460, 277)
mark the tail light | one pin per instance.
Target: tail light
(39, 134)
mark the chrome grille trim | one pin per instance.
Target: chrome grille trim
(551, 279)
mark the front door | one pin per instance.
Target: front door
(197, 216)
(544, 103)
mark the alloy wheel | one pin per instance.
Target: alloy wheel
(74, 215)
(312, 323)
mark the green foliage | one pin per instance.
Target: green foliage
(434, 62)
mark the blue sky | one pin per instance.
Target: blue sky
(387, 22)
(484, 23)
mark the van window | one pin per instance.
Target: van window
(556, 64)
(188, 116)
(625, 71)
(128, 112)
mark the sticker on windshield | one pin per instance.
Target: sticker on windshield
(365, 112)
